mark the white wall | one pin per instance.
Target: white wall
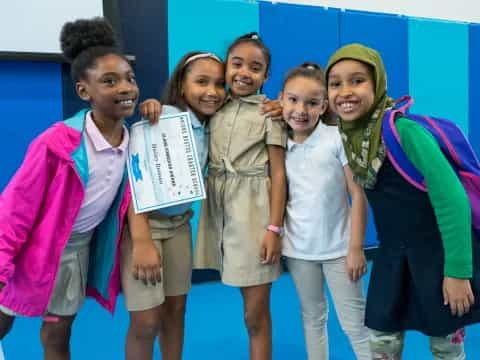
(34, 25)
(459, 10)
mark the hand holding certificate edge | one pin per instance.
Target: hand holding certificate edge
(151, 109)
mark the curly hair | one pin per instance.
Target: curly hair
(83, 41)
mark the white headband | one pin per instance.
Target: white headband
(202, 56)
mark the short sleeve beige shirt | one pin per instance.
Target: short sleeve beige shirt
(240, 133)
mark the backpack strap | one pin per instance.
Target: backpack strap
(403, 104)
(394, 150)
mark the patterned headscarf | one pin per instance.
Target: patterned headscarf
(362, 138)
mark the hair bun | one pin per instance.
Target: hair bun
(76, 36)
(251, 35)
(310, 66)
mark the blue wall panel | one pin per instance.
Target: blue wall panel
(145, 33)
(386, 33)
(207, 25)
(31, 100)
(474, 87)
(295, 34)
(438, 71)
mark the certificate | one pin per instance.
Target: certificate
(163, 166)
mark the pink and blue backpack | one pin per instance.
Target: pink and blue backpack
(453, 144)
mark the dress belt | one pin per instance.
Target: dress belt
(225, 168)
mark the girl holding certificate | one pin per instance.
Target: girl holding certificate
(241, 219)
(158, 248)
(61, 215)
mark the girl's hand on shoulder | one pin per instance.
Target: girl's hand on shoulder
(356, 264)
(151, 110)
(272, 109)
(458, 294)
(271, 247)
(147, 263)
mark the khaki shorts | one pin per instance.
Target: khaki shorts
(173, 238)
(71, 280)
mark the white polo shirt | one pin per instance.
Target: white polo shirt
(318, 215)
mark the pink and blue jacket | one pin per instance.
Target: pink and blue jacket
(38, 209)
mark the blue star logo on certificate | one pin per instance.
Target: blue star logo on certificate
(137, 173)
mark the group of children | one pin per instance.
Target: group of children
(295, 188)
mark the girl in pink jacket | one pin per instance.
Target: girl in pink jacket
(61, 215)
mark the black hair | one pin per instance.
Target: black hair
(83, 41)
(252, 38)
(172, 94)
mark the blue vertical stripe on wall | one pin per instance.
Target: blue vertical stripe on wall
(144, 26)
(474, 87)
(209, 25)
(295, 34)
(31, 100)
(386, 33)
(438, 71)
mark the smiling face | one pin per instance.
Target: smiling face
(351, 89)
(246, 69)
(110, 87)
(303, 100)
(203, 87)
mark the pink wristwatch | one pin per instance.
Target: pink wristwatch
(276, 229)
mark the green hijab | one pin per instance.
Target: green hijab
(362, 138)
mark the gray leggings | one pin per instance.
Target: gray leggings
(309, 278)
